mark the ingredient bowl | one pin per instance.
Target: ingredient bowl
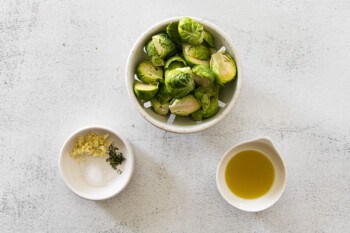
(264, 146)
(94, 178)
(228, 94)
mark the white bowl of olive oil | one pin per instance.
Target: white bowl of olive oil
(251, 176)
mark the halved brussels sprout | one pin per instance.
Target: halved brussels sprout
(203, 98)
(203, 76)
(149, 73)
(208, 38)
(163, 45)
(158, 107)
(173, 32)
(196, 54)
(190, 31)
(144, 91)
(184, 106)
(179, 82)
(175, 59)
(223, 66)
(153, 54)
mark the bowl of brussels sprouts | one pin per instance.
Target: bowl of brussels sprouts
(183, 74)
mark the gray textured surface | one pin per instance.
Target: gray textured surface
(62, 68)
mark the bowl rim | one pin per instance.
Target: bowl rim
(128, 148)
(219, 168)
(129, 72)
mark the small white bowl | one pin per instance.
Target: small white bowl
(265, 146)
(78, 176)
(228, 95)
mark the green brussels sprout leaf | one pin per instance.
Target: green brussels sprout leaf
(175, 59)
(210, 112)
(184, 106)
(190, 31)
(213, 108)
(173, 32)
(153, 54)
(163, 95)
(203, 97)
(175, 65)
(208, 38)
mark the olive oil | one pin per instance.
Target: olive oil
(249, 174)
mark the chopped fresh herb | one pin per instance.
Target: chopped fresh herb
(115, 156)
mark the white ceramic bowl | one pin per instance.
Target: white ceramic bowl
(228, 95)
(80, 177)
(265, 146)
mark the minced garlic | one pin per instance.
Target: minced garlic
(91, 144)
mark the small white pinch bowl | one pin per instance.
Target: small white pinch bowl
(74, 173)
(265, 146)
(228, 94)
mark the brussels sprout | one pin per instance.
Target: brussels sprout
(203, 98)
(223, 66)
(190, 31)
(158, 107)
(149, 73)
(144, 91)
(213, 108)
(184, 106)
(163, 95)
(179, 82)
(153, 54)
(196, 55)
(208, 38)
(175, 59)
(173, 32)
(210, 112)
(163, 45)
(203, 76)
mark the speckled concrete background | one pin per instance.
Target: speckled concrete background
(62, 68)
